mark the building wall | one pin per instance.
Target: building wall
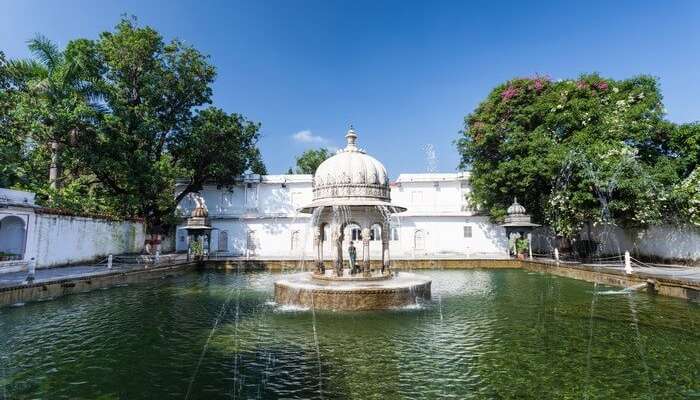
(433, 226)
(60, 239)
(53, 239)
(664, 242)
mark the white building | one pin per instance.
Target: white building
(258, 217)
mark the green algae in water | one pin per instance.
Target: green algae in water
(487, 334)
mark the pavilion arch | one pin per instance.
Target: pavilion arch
(13, 237)
(325, 231)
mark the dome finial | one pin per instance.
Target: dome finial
(516, 208)
(351, 137)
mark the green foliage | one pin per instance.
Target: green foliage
(521, 245)
(150, 135)
(48, 99)
(127, 113)
(10, 146)
(687, 194)
(197, 248)
(308, 161)
(593, 149)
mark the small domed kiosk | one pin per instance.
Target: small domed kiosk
(351, 187)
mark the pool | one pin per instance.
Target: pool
(502, 334)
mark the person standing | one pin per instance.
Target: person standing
(352, 252)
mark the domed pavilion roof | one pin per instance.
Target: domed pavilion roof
(516, 208)
(517, 217)
(351, 177)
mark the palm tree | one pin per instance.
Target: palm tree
(59, 92)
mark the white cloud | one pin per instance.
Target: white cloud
(307, 136)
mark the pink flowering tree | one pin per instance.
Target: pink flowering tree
(578, 151)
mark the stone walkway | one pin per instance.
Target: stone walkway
(45, 275)
(11, 279)
(691, 274)
(673, 272)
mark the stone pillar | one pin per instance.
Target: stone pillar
(386, 235)
(337, 237)
(318, 249)
(365, 250)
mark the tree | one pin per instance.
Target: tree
(152, 129)
(10, 144)
(308, 161)
(687, 193)
(576, 151)
(53, 100)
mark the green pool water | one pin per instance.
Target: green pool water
(486, 334)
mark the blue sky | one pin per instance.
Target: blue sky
(405, 73)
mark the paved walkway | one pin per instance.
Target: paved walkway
(675, 272)
(10, 279)
(691, 274)
(45, 275)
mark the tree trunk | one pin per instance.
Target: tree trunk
(54, 167)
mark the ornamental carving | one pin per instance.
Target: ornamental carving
(366, 235)
(352, 190)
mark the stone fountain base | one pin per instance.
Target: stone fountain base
(352, 294)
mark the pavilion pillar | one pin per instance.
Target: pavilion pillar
(318, 249)
(338, 243)
(365, 251)
(386, 262)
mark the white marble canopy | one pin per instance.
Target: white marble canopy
(351, 177)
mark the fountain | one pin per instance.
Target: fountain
(351, 187)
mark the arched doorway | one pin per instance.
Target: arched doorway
(13, 237)
(419, 240)
(295, 240)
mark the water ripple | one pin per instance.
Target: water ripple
(487, 334)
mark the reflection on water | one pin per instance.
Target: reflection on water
(487, 334)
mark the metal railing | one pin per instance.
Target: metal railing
(615, 261)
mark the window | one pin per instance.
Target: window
(419, 240)
(251, 242)
(295, 240)
(227, 200)
(416, 197)
(375, 233)
(352, 232)
(394, 234)
(251, 195)
(223, 241)
(467, 231)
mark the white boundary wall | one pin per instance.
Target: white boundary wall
(54, 239)
(60, 239)
(664, 242)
